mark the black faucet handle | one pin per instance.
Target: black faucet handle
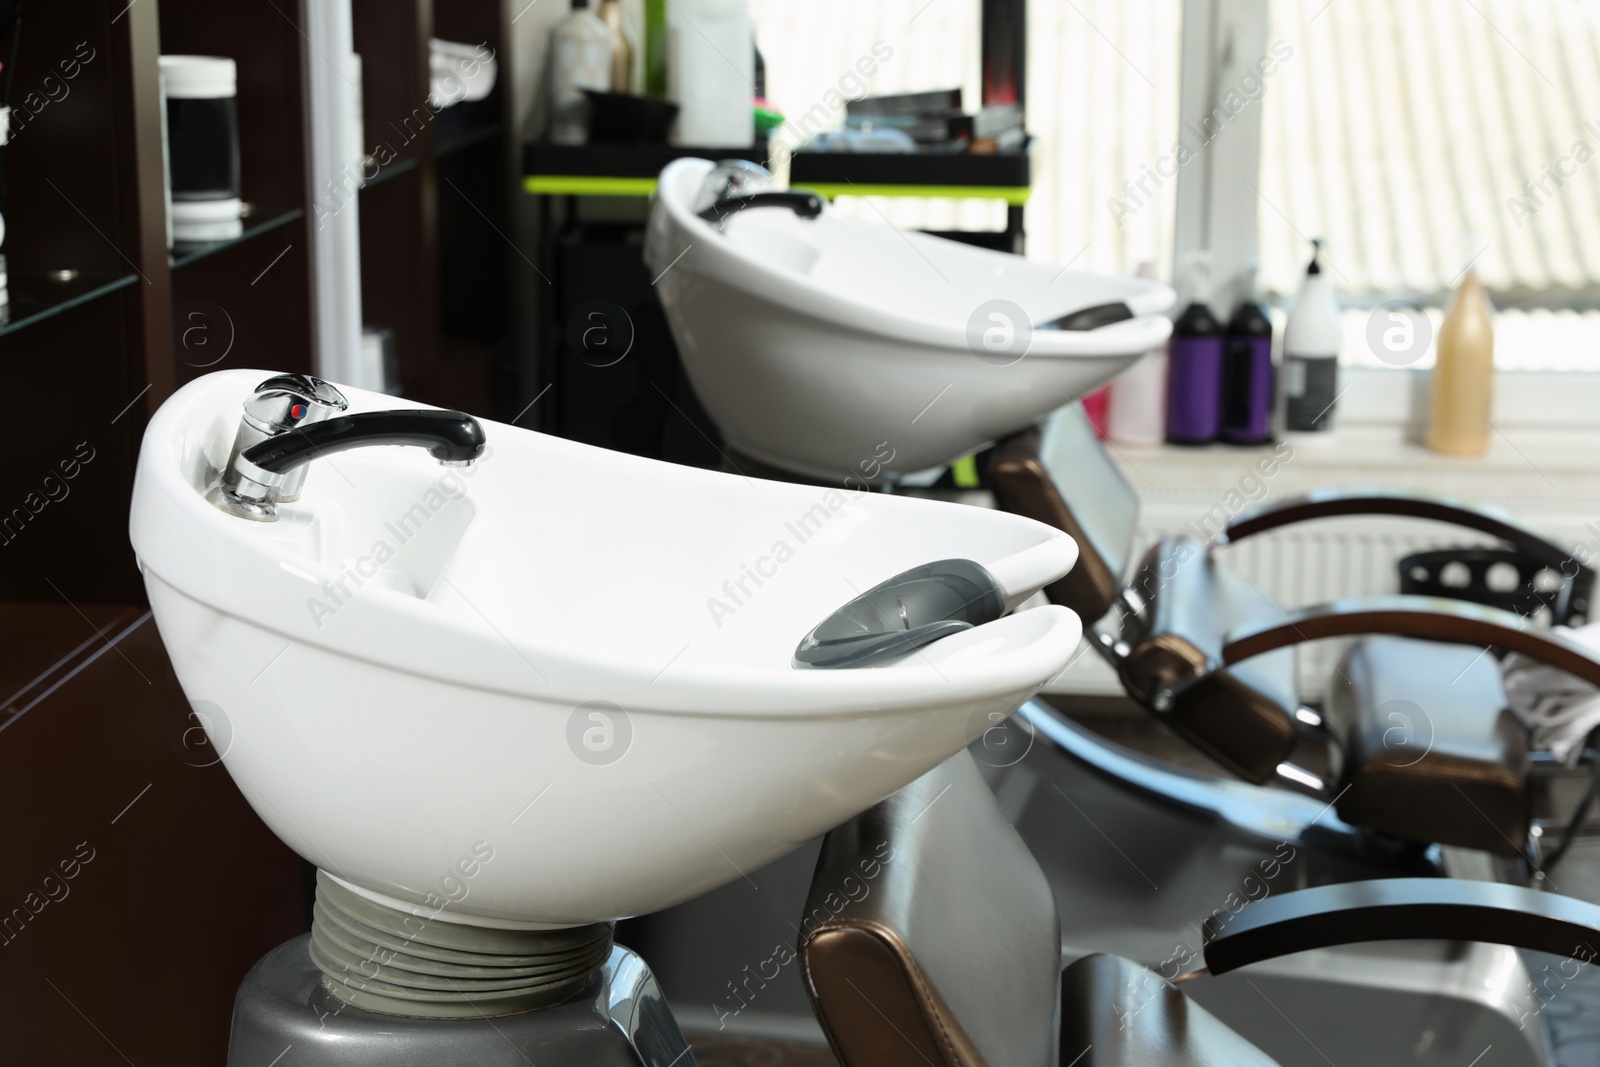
(285, 401)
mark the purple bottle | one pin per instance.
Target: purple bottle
(1247, 381)
(1194, 370)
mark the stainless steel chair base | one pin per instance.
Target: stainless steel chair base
(1139, 855)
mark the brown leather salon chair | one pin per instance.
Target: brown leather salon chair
(1415, 718)
(931, 938)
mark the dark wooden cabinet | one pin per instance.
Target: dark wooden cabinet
(137, 886)
(435, 219)
(176, 888)
(88, 328)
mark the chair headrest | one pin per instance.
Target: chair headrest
(1063, 477)
(930, 925)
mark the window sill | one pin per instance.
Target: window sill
(1561, 402)
(1547, 433)
(1524, 467)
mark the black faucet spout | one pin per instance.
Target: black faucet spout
(803, 202)
(451, 437)
(260, 472)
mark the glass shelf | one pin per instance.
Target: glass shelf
(393, 170)
(37, 294)
(456, 141)
(259, 221)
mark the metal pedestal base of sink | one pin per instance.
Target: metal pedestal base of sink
(286, 1016)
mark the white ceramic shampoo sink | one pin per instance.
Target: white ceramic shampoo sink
(823, 345)
(559, 687)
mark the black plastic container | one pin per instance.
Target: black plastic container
(1247, 378)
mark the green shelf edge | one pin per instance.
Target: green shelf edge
(583, 185)
(579, 185)
(1014, 195)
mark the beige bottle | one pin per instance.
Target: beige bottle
(622, 45)
(1463, 377)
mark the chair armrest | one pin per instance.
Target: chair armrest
(1328, 503)
(1401, 909)
(1426, 618)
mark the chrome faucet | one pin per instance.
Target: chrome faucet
(736, 185)
(262, 469)
(278, 405)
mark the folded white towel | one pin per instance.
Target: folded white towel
(1558, 709)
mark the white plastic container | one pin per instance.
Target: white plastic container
(580, 58)
(1311, 354)
(711, 72)
(201, 140)
(1137, 413)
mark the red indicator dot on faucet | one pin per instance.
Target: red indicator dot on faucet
(297, 412)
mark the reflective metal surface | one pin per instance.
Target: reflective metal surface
(278, 405)
(284, 1016)
(1141, 854)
